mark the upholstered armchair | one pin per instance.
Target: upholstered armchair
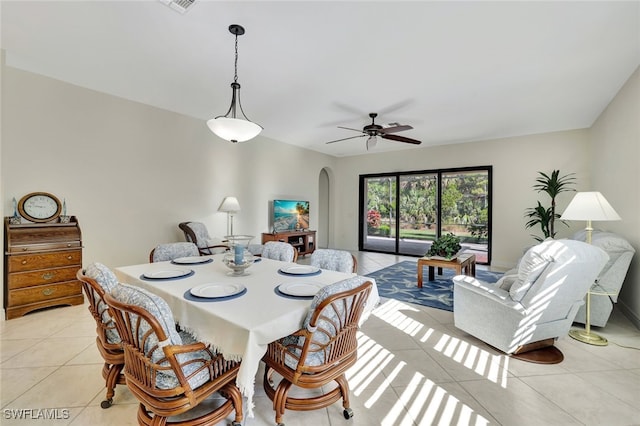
(611, 277)
(197, 233)
(169, 372)
(524, 313)
(171, 251)
(278, 250)
(97, 280)
(320, 352)
(334, 260)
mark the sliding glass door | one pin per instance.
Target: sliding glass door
(402, 213)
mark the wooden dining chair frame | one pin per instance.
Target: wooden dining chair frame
(112, 354)
(340, 353)
(140, 372)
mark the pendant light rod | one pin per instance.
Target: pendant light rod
(228, 126)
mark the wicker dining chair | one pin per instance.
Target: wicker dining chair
(168, 373)
(334, 260)
(279, 250)
(171, 251)
(97, 280)
(320, 352)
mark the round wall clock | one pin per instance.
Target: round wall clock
(40, 207)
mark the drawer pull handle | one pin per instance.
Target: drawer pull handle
(68, 244)
(24, 262)
(48, 275)
(48, 291)
(69, 257)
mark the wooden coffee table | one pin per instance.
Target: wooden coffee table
(464, 263)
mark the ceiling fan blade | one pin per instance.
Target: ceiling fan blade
(344, 139)
(394, 107)
(349, 128)
(400, 139)
(394, 129)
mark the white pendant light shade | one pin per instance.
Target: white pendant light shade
(234, 129)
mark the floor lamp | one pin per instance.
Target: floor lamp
(230, 206)
(589, 206)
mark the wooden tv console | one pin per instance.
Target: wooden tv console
(303, 241)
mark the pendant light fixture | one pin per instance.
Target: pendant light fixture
(227, 126)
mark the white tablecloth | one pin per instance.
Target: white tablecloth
(240, 328)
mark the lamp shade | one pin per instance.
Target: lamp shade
(234, 129)
(229, 205)
(589, 206)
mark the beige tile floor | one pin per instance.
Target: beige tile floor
(414, 368)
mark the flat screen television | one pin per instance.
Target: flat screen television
(290, 215)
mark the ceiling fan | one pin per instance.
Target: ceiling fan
(374, 130)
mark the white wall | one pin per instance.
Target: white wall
(615, 169)
(515, 162)
(131, 172)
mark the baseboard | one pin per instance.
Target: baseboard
(627, 312)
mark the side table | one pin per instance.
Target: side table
(464, 263)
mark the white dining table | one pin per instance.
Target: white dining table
(239, 327)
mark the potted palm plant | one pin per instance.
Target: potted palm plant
(545, 217)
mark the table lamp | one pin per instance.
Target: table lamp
(230, 206)
(589, 206)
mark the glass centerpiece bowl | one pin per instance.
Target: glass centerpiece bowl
(238, 258)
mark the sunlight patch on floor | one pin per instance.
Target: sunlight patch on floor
(485, 364)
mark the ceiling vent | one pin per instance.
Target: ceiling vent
(178, 5)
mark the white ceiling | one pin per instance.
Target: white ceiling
(455, 71)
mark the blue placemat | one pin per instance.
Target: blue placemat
(277, 291)
(204, 262)
(187, 295)
(142, 277)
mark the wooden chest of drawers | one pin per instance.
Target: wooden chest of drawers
(40, 265)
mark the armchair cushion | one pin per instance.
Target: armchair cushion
(278, 250)
(158, 308)
(334, 260)
(170, 251)
(531, 266)
(108, 281)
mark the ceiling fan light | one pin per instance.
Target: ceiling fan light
(234, 129)
(371, 142)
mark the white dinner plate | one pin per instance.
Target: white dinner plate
(300, 270)
(300, 288)
(192, 260)
(167, 274)
(217, 290)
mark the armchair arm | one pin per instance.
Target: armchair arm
(489, 291)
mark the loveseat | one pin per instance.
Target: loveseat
(611, 277)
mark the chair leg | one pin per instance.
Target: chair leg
(280, 399)
(344, 388)
(232, 392)
(111, 374)
(146, 419)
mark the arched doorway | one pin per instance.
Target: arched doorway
(324, 208)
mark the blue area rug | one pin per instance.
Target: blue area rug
(400, 282)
